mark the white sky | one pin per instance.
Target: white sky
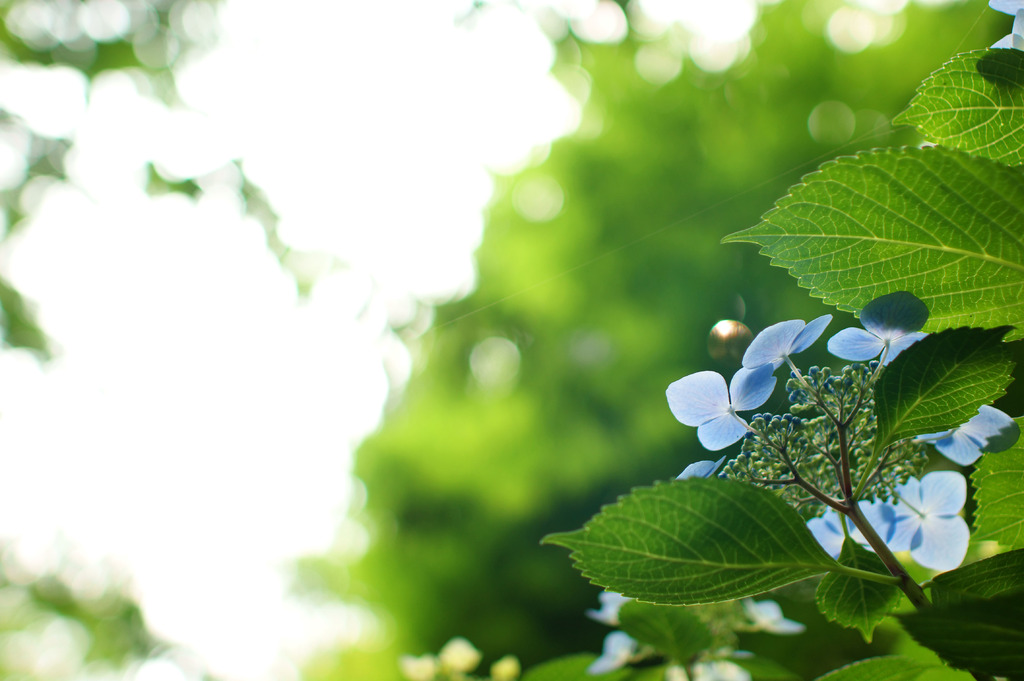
(196, 426)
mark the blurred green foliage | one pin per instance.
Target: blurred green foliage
(606, 304)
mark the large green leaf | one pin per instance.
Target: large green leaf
(893, 668)
(853, 602)
(764, 668)
(571, 668)
(671, 629)
(941, 224)
(997, 576)
(999, 490)
(939, 382)
(695, 541)
(975, 103)
(980, 635)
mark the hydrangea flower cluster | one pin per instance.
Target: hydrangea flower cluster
(820, 457)
(716, 664)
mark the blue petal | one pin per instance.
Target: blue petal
(910, 491)
(882, 517)
(993, 429)
(826, 530)
(698, 398)
(811, 333)
(959, 447)
(942, 493)
(855, 344)
(773, 344)
(903, 529)
(894, 315)
(942, 543)
(898, 345)
(700, 469)
(1006, 6)
(750, 388)
(720, 432)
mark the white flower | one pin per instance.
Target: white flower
(506, 669)
(618, 648)
(719, 670)
(459, 655)
(611, 602)
(767, 616)
(422, 668)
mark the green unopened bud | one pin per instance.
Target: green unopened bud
(459, 655)
(422, 668)
(506, 669)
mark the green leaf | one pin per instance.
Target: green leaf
(671, 629)
(997, 576)
(939, 382)
(974, 103)
(764, 668)
(854, 602)
(892, 668)
(941, 224)
(571, 668)
(695, 541)
(999, 490)
(984, 636)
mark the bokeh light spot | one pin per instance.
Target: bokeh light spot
(606, 24)
(728, 340)
(850, 30)
(538, 199)
(656, 64)
(831, 122)
(495, 363)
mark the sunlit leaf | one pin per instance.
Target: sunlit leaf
(941, 224)
(853, 602)
(939, 382)
(997, 576)
(980, 635)
(999, 490)
(695, 541)
(975, 103)
(672, 630)
(893, 668)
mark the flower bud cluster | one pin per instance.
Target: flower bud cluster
(806, 445)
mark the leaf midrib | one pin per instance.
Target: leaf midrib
(920, 246)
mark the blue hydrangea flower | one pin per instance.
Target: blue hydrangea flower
(776, 343)
(611, 603)
(829, 532)
(927, 520)
(1015, 39)
(767, 616)
(1006, 6)
(891, 324)
(990, 430)
(618, 648)
(700, 469)
(703, 400)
